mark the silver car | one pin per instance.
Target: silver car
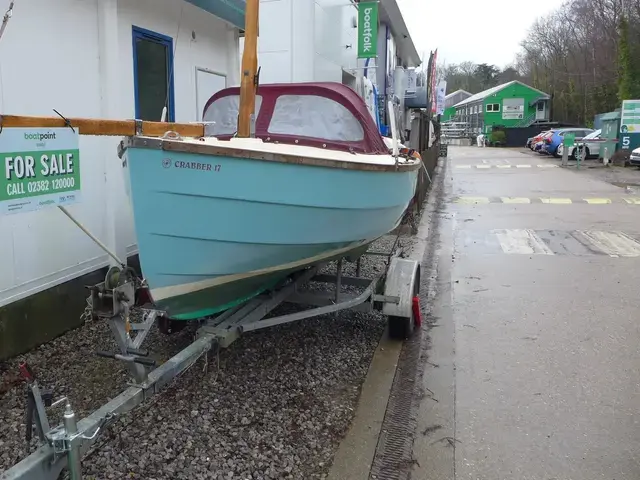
(589, 146)
(635, 157)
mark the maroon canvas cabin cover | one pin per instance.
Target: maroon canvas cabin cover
(325, 115)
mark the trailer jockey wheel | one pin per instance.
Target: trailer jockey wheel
(168, 326)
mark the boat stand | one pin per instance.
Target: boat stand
(394, 293)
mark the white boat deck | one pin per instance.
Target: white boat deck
(257, 145)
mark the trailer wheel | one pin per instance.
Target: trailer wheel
(403, 327)
(400, 328)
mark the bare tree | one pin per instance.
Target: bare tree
(586, 55)
(474, 77)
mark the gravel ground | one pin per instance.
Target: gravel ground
(274, 405)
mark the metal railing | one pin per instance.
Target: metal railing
(455, 130)
(527, 121)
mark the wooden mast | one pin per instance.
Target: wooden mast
(249, 69)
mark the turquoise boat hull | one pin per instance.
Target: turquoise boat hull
(213, 230)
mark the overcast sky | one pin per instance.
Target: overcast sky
(481, 32)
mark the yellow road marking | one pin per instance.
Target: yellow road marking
(472, 200)
(515, 200)
(503, 166)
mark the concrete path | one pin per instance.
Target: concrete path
(534, 368)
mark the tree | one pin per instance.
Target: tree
(474, 77)
(486, 75)
(586, 54)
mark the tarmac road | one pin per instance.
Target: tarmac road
(534, 368)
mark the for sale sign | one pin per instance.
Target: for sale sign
(39, 167)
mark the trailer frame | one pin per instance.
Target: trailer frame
(394, 293)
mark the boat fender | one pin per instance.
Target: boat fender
(410, 153)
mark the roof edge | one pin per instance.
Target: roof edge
(449, 95)
(496, 90)
(399, 27)
(231, 11)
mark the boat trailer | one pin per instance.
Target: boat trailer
(394, 293)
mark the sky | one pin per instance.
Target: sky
(472, 30)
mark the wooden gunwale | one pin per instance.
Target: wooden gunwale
(181, 146)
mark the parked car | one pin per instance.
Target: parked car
(634, 159)
(553, 141)
(539, 142)
(533, 140)
(587, 146)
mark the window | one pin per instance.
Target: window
(315, 117)
(152, 75)
(594, 134)
(579, 133)
(540, 107)
(493, 107)
(223, 115)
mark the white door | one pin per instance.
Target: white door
(541, 110)
(207, 84)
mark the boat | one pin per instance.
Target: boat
(286, 176)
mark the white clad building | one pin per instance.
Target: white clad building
(117, 59)
(317, 41)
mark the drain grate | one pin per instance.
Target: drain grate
(393, 459)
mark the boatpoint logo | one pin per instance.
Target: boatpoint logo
(40, 136)
(166, 163)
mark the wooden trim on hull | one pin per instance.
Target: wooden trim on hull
(202, 148)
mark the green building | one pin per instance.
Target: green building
(509, 105)
(450, 100)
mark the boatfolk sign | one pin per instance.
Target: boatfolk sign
(39, 167)
(367, 29)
